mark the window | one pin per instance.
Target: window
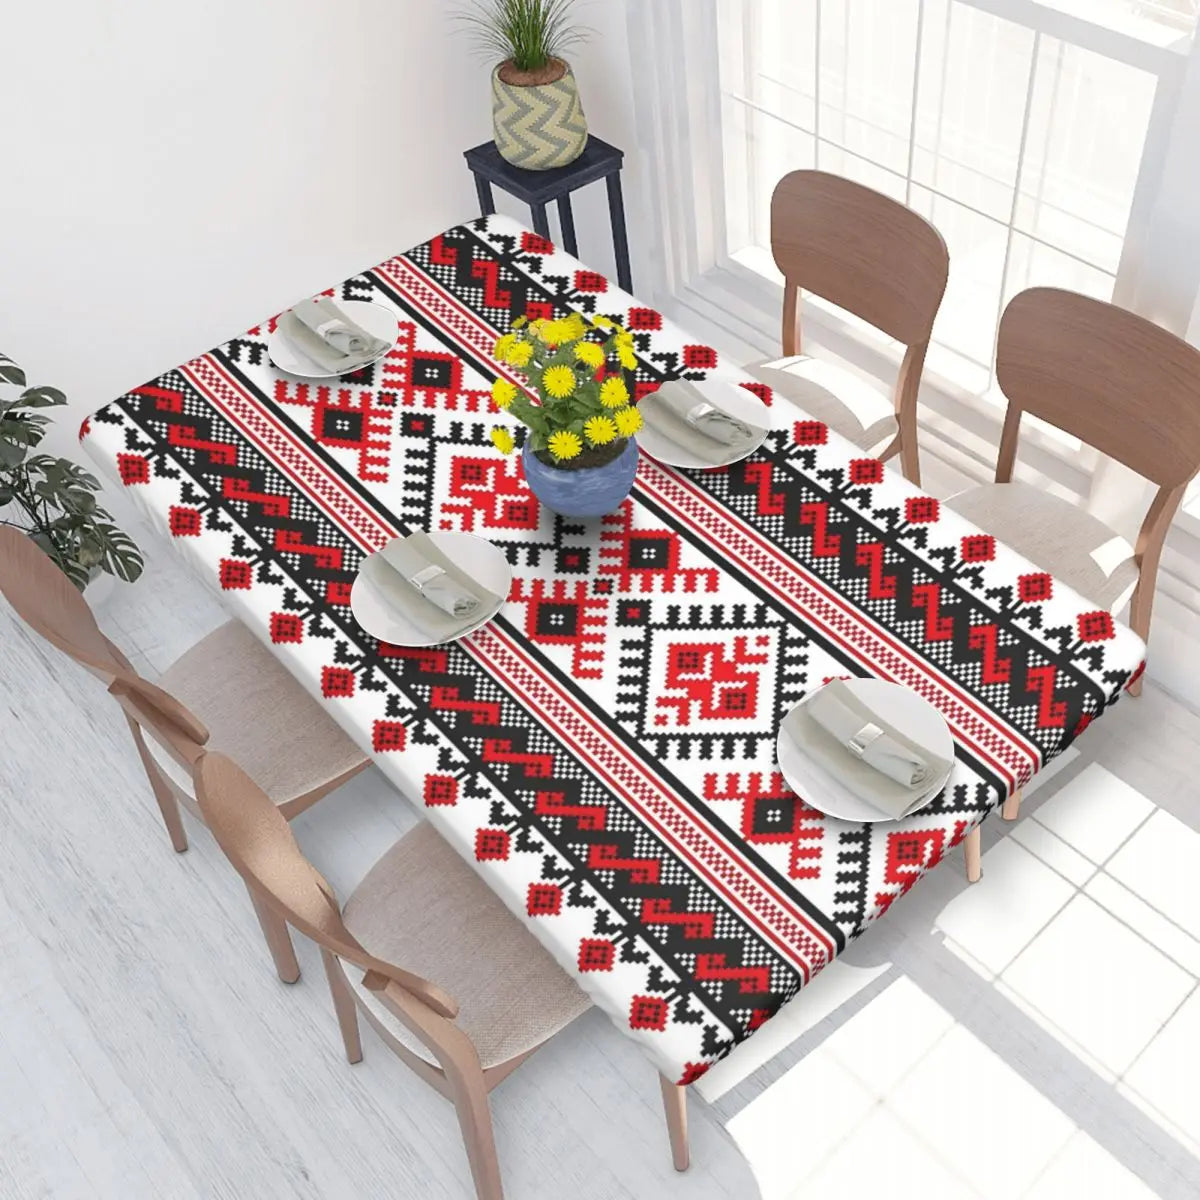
(1019, 129)
(1051, 141)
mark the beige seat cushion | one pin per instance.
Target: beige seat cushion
(831, 394)
(422, 908)
(1056, 535)
(258, 715)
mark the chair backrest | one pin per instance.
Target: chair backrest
(258, 841)
(1113, 379)
(50, 604)
(860, 250)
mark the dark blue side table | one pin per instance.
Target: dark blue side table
(599, 160)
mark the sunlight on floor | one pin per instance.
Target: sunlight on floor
(933, 1113)
(1083, 923)
(1096, 945)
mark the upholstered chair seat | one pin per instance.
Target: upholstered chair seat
(835, 396)
(1059, 536)
(423, 906)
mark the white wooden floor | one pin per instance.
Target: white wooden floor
(1037, 1035)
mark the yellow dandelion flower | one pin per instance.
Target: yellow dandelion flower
(600, 430)
(564, 444)
(628, 421)
(520, 354)
(627, 358)
(554, 333)
(503, 345)
(600, 321)
(590, 355)
(613, 392)
(502, 439)
(576, 326)
(503, 393)
(559, 382)
(519, 322)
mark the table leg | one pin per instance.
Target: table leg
(971, 851)
(616, 214)
(483, 189)
(541, 223)
(675, 1107)
(566, 221)
(1012, 806)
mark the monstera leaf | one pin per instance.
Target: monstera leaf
(10, 372)
(53, 499)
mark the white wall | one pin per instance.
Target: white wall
(175, 172)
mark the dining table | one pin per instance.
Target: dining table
(603, 752)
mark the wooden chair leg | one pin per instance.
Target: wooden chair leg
(910, 462)
(1012, 806)
(167, 804)
(675, 1105)
(279, 941)
(971, 852)
(468, 1091)
(905, 444)
(344, 1006)
(1141, 606)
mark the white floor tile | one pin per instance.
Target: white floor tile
(1095, 812)
(884, 1159)
(1159, 864)
(1053, 851)
(1086, 1169)
(980, 1116)
(1098, 984)
(998, 917)
(827, 992)
(794, 1125)
(1168, 1074)
(886, 1038)
(1147, 921)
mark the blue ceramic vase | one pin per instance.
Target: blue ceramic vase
(587, 492)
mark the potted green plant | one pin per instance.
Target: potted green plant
(536, 112)
(53, 499)
(579, 454)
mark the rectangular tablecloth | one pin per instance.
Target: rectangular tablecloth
(603, 753)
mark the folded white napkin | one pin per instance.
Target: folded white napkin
(414, 577)
(860, 748)
(324, 333)
(679, 411)
(857, 729)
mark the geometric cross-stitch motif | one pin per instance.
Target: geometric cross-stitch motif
(603, 751)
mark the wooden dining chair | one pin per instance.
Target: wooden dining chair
(882, 262)
(476, 994)
(226, 692)
(1121, 384)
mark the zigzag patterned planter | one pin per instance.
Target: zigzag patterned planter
(538, 126)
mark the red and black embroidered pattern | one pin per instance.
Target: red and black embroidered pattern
(604, 751)
(543, 802)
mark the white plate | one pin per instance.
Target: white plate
(911, 714)
(374, 318)
(474, 555)
(722, 394)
